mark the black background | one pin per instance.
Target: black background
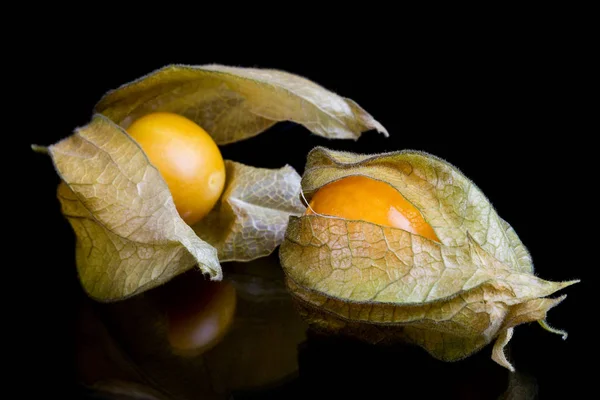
(505, 108)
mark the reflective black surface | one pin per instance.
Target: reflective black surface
(269, 353)
(504, 116)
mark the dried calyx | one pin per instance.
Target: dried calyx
(385, 283)
(130, 236)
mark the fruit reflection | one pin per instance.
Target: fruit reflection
(257, 349)
(199, 312)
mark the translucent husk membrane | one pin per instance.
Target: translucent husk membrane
(383, 284)
(129, 235)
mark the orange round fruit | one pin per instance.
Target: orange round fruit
(187, 158)
(366, 199)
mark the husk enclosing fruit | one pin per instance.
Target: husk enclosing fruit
(130, 237)
(384, 284)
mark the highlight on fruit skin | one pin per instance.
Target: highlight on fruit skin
(187, 158)
(361, 198)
